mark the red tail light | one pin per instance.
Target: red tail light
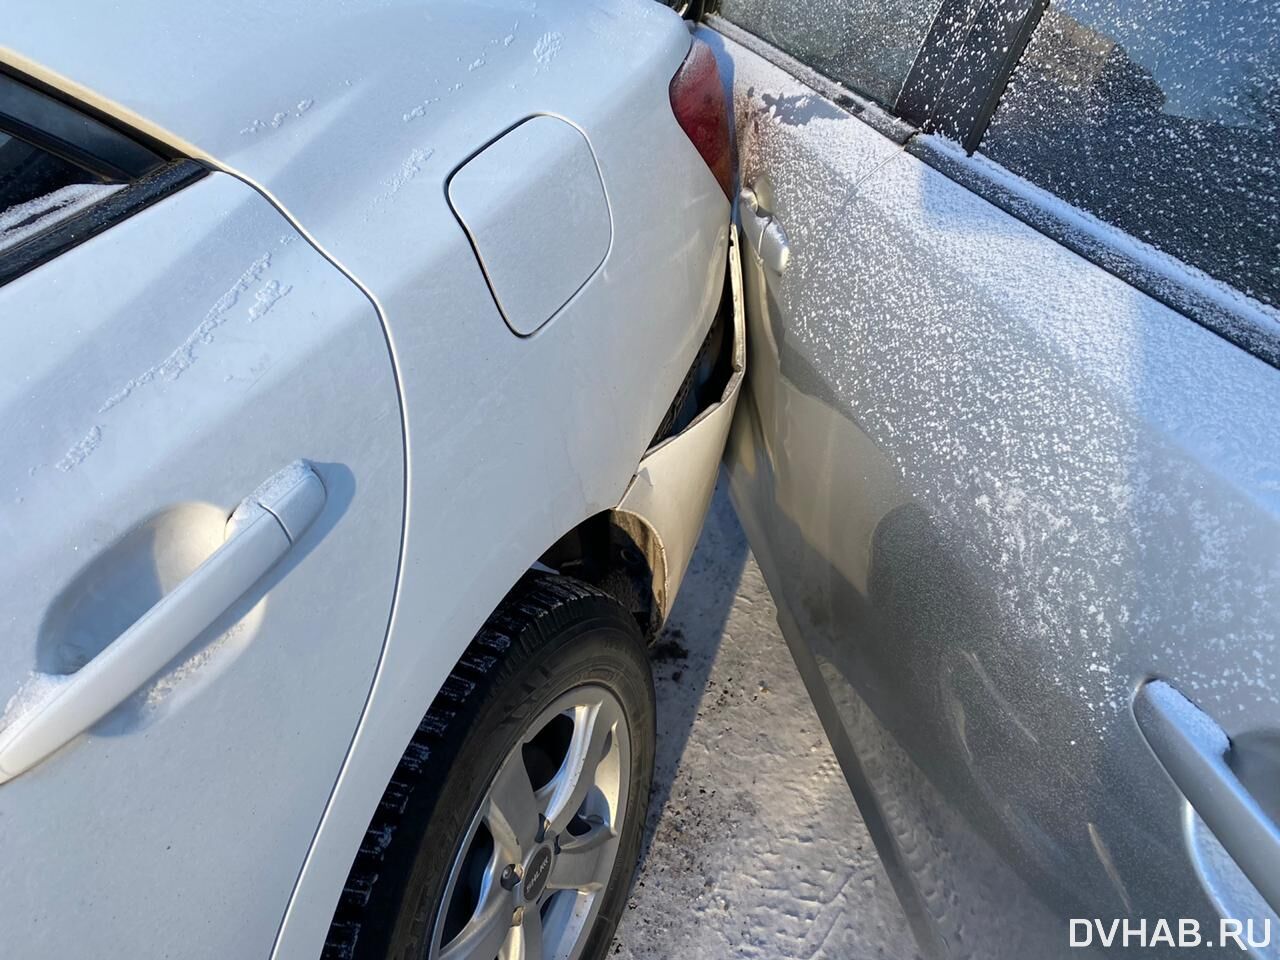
(698, 101)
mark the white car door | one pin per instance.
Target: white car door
(181, 691)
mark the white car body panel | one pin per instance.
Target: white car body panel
(132, 431)
(535, 181)
(351, 120)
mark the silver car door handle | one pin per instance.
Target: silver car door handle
(1194, 749)
(261, 531)
(775, 252)
(763, 232)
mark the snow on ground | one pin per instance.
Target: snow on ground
(754, 847)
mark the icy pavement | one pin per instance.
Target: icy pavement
(754, 846)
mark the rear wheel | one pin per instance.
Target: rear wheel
(513, 826)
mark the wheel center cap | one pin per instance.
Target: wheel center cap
(537, 872)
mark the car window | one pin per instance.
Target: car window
(1161, 117)
(868, 45)
(37, 188)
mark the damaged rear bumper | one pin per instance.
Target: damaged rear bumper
(668, 498)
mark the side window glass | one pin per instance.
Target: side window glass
(1161, 117)
(38, 188)
(868, 45)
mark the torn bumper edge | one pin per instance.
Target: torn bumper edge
(672, 488)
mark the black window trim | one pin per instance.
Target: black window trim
(931, 97)
(31, 112)
(112, 209)
(1231, 314)
(938, 99)
(147, 172)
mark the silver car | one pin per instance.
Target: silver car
(1008, 453)
(365, 371)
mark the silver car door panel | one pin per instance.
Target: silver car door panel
(994, 489)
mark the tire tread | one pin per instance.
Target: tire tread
(515, 624)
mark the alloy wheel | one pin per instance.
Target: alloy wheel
(528, 878)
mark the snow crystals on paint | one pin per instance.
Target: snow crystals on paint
(160, 689)
(1055, 456)
(1175, 280)
(411, 167)
(182, 357)
(546, 48)
(266, 297)
(81, 449)
(279, 117)
(37, 688)
(420, 110)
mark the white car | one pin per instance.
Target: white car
(365, 369)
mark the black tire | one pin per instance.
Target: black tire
(551, 635)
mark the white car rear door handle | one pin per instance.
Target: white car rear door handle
(260, 532)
